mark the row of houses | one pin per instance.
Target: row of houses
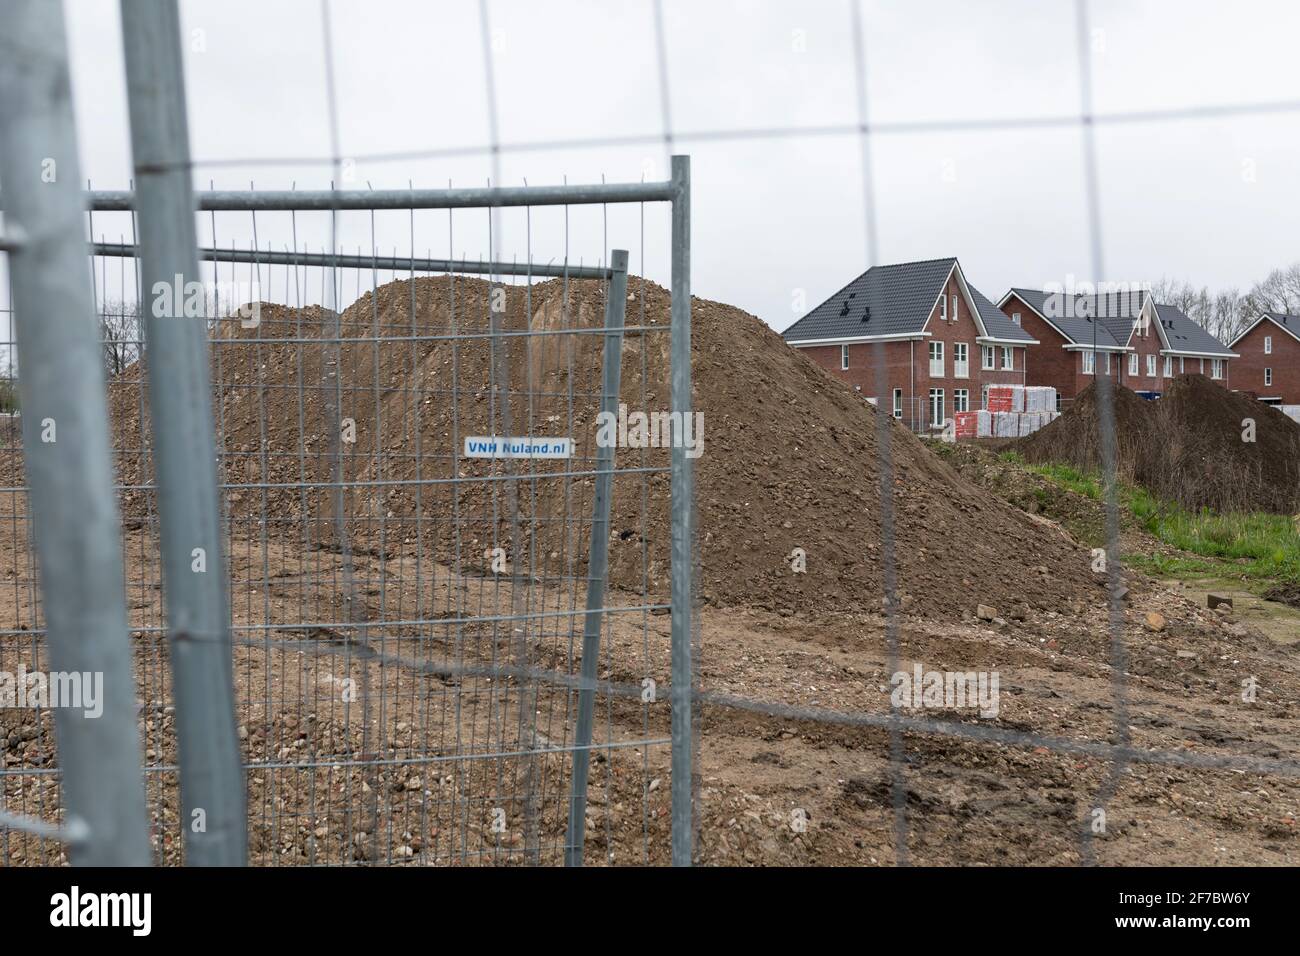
(944, 342)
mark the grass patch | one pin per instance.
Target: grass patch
(1071, 479)
(1261, 546)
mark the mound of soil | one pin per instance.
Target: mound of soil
(1208, 456)
(1075, 437)
(790, 455)
(1199, 445)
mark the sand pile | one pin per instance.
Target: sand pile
(1195, 446)
(790, 455)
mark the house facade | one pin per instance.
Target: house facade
(942, 340)
(1269, 362)
(1140, 343)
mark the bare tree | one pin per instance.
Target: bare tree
(1278, 292)
(119, 324)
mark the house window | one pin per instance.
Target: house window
(960, 360)
(1133, 363)
(1169, 366)
(1151, 366)
(1089, 362)
(954, 308)
(960, 400)
(844, 356)
(936, 407)
(988, 358)
(1202, 366)
(1182, 364)
(1268, 376)
(943, 308)
(1268, 345)
(1008, 359)
(1216, 368)
(898, 403)
(1107, 357)
(1015, 317)
(936, 360)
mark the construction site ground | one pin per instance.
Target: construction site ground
(791, 460)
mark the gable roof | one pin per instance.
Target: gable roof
(1076, 325)
(900, 297)
(997, 323)
(1289, 324)
(1179, 333)
(1183, 335)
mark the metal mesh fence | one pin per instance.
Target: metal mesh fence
(369, 540)
(408, 620)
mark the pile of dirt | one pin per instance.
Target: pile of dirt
(1224, 450)
(789, 459)
(1075, 437)
(1199, 445)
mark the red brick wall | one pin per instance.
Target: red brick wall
(861, 372)
(1145, 345)
(1248, 371)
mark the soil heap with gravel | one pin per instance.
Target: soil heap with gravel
(1199, 445)
(790, 455)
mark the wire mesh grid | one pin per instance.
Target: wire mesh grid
(364, 540)
(296, 541)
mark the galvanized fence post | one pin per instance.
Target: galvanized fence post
(176, 359)
(597, 561)
(683, 537)
(66, 447)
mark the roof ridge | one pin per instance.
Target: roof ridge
(911, 262)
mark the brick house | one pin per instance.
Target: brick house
(1140, 343)
(1269, 363)
(943, 341)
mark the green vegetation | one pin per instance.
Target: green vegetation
(1260, 546)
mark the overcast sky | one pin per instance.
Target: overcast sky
(1213, 200)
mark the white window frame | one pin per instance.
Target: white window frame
(1151, 366)
(943, 308)
(936, 355)
(931, 409)
(1008, 359)
(1015, 317)
(1169, 366)
(960, 400)
(1216, 368)
(1089, 362)
(1268, 376)
(954, 308)
(1107, 354)
(961, 360)
(988, 358)
(1182, 364)
(1133, 364)
(1268, 345)
(844, 357)
(898, 403)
